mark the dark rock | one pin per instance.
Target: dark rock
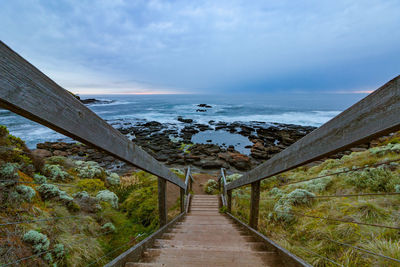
(95, 101)
(213, 164)
(201, 110)
(181, 119)
(204, 106)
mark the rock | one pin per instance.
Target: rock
(201, 110)
(204, 106)
(214, 164)
(41, 153)
(60, 153)
(181, 119)
(95, 101)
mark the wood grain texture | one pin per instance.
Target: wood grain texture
(254, 204)
(28, 92)
(375, 115)
(162, 201)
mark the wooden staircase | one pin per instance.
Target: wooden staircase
(207, 238)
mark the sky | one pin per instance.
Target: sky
(205, 47)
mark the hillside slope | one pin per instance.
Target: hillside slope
(315, 218)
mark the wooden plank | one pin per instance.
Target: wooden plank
(229, 200)
(28, 92)
(254, 204)
(375, 115)
(289, 259)
(182, 200)
(162, 201)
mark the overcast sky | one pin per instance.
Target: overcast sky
(213, 46)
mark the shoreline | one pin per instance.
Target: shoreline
(173, 144)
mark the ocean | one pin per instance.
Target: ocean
(302, 109)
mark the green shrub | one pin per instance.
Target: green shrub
(233, 177)
(317, 185)
(141, 206)
(108, 227)
(299, 196)
(61, 161)
(56, 173)
(40, 179)
(113, 179)
(109, 197)
(47, 257)
(211, 186)
(397, 188)
(3, 131)
(283, 206)
(276, 192)
(27, 193)
(91, 185)
(374, 179)
(39, 241)
(59, 250)
(89, 170)
(9, 171)
(82, 194)
(50, 191)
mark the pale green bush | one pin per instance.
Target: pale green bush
(283, 207)
(59, 250)
(81, 194)
(109, 197)
(299, 196)
(276, 192)
(9, 171)
(56, 173)
(47, 257)
(397, 188)
(374, 179)
(89, 170)
(233, 177)
(39, 241)
(211, 186)
(108, 227)
(50, 191)
(26, 192)
(113, 179)
(40, 179)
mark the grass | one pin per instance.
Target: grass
(304, 233)
(83, 239)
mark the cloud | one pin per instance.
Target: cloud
(207, 46)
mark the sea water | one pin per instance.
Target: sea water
(301, 109)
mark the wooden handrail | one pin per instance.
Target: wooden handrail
(25, 90)
(375, 115)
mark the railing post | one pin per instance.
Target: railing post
(162, 201)
(182, 200)
(229, 200)
(254, 204)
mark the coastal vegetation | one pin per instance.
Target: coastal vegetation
(63, 212)
(318, 219)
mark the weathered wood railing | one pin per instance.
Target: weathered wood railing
(375, 115)
(25, 90)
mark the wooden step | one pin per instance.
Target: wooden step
(206, 237)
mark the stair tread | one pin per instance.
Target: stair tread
(206, 237)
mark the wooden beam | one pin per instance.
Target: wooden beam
(229, 200)
(162, 201)
(375, 115)
(182, 200)
(28, 92)
(254, 204)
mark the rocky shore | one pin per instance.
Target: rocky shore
(172, 144)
